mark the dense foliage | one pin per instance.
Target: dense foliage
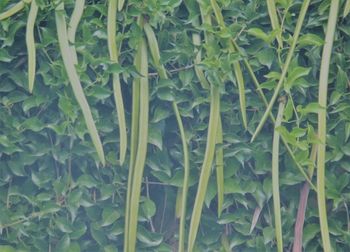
(56, 196)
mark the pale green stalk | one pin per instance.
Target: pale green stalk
(74, 80)
(219, 159)
(207, 164)
(297, 30)
(118, 96)
(236, 65)
(322, 123)
(271, 7)
(275, 177)
(73, 25)
(14, 9)
(31, 45)
(120, 4)
(141, 147)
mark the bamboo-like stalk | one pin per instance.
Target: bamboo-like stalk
(30, 42)
(322, 123)
(118, 96)
(219, 159)
(275, 177)
(236, 65)
(73, 25)
(154, 48)
(263, 98)
(74, 79)
(14, 9)
(271, 7)
(297, 30)
(141, 147)
(135, 116)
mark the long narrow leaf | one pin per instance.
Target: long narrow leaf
(74, 80)
(297, 30)
(275, 178)
(322, 127)
(118, 97)
(31, 45)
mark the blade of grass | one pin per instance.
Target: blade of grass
(74, 80)
(275, 177)
(73, 25)
(154, 48)
(219, 159)
(30, 42)
(14, 9)
(304, 193)
(207, 164)
(118, 97)
(262, 96)
(271, 7)
(322, 122)
(297, 30)
(236, 65)
(141, 147)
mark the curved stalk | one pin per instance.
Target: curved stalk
(74, 80)
(73, 25)
(118, 97)
(30, 42)
(322, 123)
(271, 7)
(299, 24)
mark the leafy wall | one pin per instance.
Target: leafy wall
(56, 196)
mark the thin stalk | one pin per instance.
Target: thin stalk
(236, 65)
(31, 44)
(14, 9)
(207, 163)
(118, 96)
(73, 25)
(271, 7)
(297, 30)
(219, 159)
(154, 48)
(141, 147)
(74, 80)
(322, 123)
(133, 144)
(275, 177)
(262, 96)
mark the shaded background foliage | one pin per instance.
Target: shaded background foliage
(53, 193)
